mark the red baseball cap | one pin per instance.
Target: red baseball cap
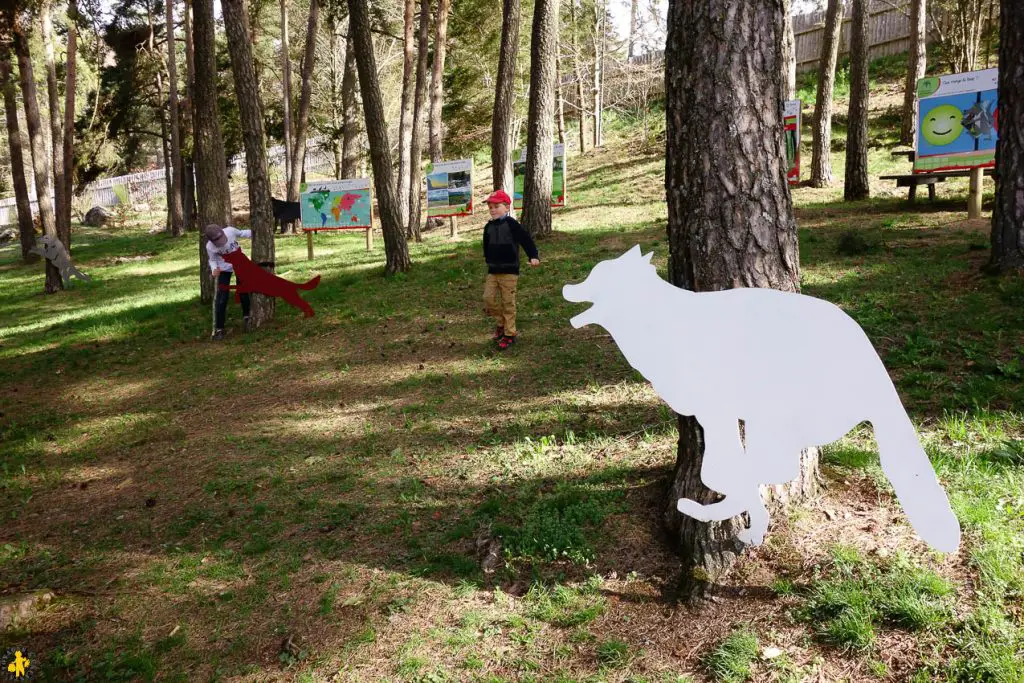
(499, 197)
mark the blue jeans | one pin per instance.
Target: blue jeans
(221, 300)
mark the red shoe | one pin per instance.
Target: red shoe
(498, 333)
(506, 342)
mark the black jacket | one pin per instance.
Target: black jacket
(502, 239)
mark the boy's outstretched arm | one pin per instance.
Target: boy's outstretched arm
(523, 237)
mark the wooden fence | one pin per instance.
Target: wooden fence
(888, 33)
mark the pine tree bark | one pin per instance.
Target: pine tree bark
(56, 130)
(821, 149)
(405, 112)
(286, 77)
(396, 249)
(298, 156)
(165, 145)
(540, 133)
(788, 53)
(915, 68)
(598, 71)
(174, 200)
(504, 97)
(213, 191)
(578, 67)
(437, 81)
(70, 78)
(191, 212)
(26, 232)
(418, 121)
(40, 159)
(1008, 213)
(350, 111)
(261, 215)
(632, 28)
(730, 216)
(856, 183)
(336, 131)
(560, 99)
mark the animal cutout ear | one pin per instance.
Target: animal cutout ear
(647, 256)
(634, 252)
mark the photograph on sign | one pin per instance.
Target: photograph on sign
(558, 193)
(791, 130)
(450, 188)
(958, 121)
(337, 204)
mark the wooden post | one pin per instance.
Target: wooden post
(309, 244)
(974, 199)
(369, 239)
(453, 227)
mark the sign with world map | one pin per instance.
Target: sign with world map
(337, 205)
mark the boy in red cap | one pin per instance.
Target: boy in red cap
(503, 235)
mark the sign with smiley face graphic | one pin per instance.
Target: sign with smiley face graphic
(958, 120)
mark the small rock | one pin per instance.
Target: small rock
(96, 217)
(16, 608)
(770, 653)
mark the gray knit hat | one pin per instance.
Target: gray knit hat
(215, 234)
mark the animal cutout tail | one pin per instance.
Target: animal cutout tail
(910, 472)
(311, 284)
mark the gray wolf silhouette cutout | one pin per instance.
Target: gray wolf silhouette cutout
(52, 249)
(797, 370)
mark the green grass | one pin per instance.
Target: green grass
(339, 479)
(731, 660)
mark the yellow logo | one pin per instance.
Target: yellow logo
(19, 667)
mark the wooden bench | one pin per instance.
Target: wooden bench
(912, 180)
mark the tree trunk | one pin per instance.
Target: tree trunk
(730, 221)
(1008, 213)
(416, 151)
(437, 81)
(578, 67)
(788, 52)
(405, 113)
(632, 28)
(40, 160)
(350, 111)
(855, 185)
(504, 98)
(70, 77)
(396, 249)
(540, 134)
(161, 113)
(191, 212)
(298, 156)
(915, 69)
(560, 100)
(821, 162)
(26, 232)
(332, 24)
(174, 201)
(599, 18)
(286, 76)
(56, 131)
(261, 215)
(212, 191)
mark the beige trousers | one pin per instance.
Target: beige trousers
(500, 300)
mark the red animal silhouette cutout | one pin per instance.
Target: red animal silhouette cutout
(252, 278)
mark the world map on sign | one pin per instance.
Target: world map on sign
(335, 204)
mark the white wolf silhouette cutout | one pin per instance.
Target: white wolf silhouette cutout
(797, 370)
(52, 249)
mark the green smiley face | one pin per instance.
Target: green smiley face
(941, 125)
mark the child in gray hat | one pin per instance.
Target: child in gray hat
(221, 241)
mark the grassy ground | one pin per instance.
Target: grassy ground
(374, 494)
